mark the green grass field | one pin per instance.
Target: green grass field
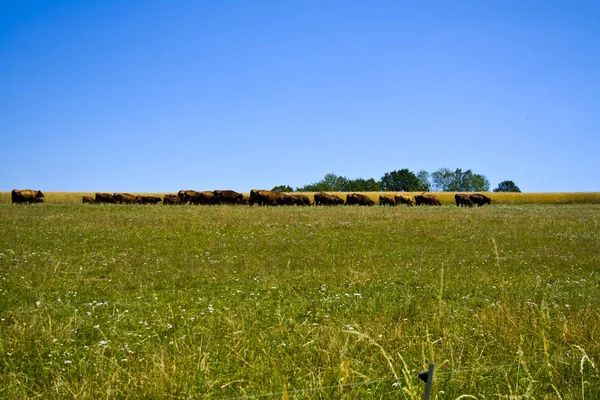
(106, 301)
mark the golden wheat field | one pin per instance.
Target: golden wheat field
(446, 198)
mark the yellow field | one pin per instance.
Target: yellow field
(66, 197)
(509, 198)
(445, 197)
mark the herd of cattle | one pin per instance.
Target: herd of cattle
(260, 197)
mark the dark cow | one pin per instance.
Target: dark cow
(360, 199)
(427, 199)
(296, 200)
(480, 199)
(149, 200)
(204, 198)
(301, 199)
(463, 200)
(266, 198)
(228, 197)
(87, 199)
(171, 199)
(27, 196)
(387, 200)
(125, 198)
(403, 199)
(186, 195)
(105, 198)
(325, 199)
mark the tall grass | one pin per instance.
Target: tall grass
(299, 302)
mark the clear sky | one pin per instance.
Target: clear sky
(157, 96)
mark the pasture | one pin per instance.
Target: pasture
(129, 301)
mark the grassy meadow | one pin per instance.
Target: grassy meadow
(232, 302)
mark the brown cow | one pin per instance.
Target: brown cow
(105, 198)
(205, 198)
(360, 199)
(326, 199)
(403, 199)
(228, 197)
(171, 199)
(27, 196)
(427, 199)
(87, 199)
(266, 198)
(125, 198)
(148, 200)
(387, 200)
(480, 199)
(186, 195)
(296, 199)
(463, 200)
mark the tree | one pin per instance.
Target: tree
(424, 180)
(334, 183)
(362, 185)
(402, 181)
(282, 189)
(442, 179)
(446, 180)
(478, 183)
(329, 183)
(507, 186)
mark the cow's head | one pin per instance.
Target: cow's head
(39, 194)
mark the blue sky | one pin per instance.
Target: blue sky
(157, 96)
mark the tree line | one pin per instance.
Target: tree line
(404, 180)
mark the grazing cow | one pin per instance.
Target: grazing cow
(186, 195)
(402, 199)
(296, 199)
(326, 199)
(171, 199)
(266, 198)
(87, 199)
(27, 196)
(149, 200)
(360, 199)
(105, 198)
(480, 199)
(228, 197)
(301, 199)
(463, 200)
(204, 198)
(427, 199)
(125, 198)
(387, 200)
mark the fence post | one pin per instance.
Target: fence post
(427, 377)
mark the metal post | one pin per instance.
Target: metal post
(427, 377)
